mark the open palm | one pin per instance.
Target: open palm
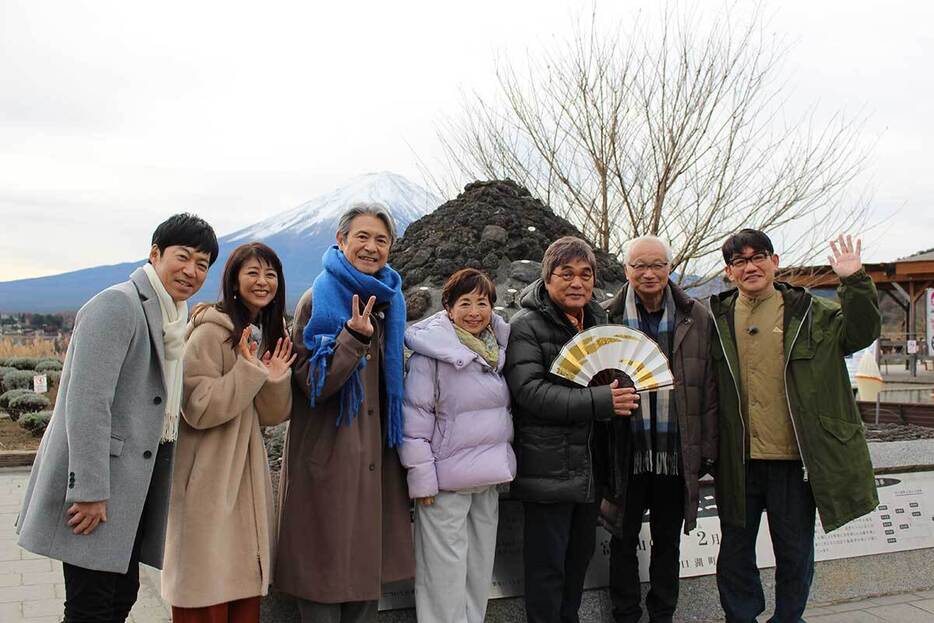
(280, 360)
(846, 258)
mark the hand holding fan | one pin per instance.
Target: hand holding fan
(614, 348)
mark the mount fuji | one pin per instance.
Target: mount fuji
(299, 236)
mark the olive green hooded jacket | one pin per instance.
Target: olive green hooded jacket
(828, 428)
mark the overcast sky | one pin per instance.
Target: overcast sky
(114, 114)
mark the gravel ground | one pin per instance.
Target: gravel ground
(897, 432)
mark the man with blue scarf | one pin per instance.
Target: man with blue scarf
(344, 527)
(658, 453)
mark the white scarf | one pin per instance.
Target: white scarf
(174, 323)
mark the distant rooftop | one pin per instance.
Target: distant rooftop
(920, 256)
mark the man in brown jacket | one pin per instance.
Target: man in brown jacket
(344, 526)
(659, 452)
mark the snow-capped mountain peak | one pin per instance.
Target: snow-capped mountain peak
(406, 201)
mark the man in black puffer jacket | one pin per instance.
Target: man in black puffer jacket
(557, 441)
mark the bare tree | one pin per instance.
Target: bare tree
(674, 129)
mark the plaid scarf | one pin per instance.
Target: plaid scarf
(658, 453)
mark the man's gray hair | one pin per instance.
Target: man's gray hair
(371, 208)
(629, 244)
(564, 251)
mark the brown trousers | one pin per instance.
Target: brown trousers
(239, 611)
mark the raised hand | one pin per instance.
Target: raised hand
(846, 258)
(625, 399)
(279, 362)
(360, 321)
(248, 347)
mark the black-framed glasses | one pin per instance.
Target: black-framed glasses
(741, 261)
(569, 275)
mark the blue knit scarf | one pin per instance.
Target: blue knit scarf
(332, 297)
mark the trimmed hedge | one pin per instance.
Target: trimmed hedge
(27, 403)
(36, 423)
(49, 365)
(6, 397)
(18, 379)
(3, 371)
(24, 363)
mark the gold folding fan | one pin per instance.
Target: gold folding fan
(614, 348)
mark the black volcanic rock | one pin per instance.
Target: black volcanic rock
(494, 226)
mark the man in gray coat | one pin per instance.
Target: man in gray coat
(98, 495)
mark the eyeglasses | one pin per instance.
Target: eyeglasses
(656, 267)
(568, 275)
(742, 261)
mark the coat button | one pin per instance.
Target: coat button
(372, 467)
(147, 454)
(71, 485)
(369, 412)
(157, 400)
(369, 356)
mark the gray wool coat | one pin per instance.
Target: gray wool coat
(102, 442)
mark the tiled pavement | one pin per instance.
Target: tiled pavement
(31, 589)
(904, 608)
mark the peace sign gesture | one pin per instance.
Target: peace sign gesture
(846, 259)
(360, 321)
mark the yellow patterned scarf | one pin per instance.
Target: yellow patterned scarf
(484, 345)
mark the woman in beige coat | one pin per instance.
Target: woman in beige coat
(218, 554)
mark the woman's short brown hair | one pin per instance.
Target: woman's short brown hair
(465, 281)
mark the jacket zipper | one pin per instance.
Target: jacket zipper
(794, 426)
(739, 400)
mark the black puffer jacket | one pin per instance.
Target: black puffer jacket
(560, 427)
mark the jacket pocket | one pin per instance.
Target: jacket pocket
(544, 453)
(116, 445)
(841, 429)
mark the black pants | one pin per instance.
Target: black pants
(102, 596)
(557, 547)
(663, 497)
(777, 487)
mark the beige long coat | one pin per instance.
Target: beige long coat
(344, 523)
(220, 531)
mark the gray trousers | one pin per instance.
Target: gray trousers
(455, 544)
(349, 612)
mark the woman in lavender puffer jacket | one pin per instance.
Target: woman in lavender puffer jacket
(458, 430)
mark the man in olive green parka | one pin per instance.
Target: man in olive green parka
(791, 439)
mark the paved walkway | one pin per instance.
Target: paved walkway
(31, 589)
(905, 608)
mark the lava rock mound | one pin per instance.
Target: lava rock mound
(494, 226)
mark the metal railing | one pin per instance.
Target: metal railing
(898, 389)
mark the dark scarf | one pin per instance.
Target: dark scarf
(332, 297)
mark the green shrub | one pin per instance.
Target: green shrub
(54, 376)
(27, 403)
(3, 371)
(48, 365)
(6, 397)
(36, 423)
(24, 363)
(18, 379)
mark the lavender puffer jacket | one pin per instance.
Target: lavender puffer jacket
(467, 442)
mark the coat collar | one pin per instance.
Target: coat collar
(153, 315)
